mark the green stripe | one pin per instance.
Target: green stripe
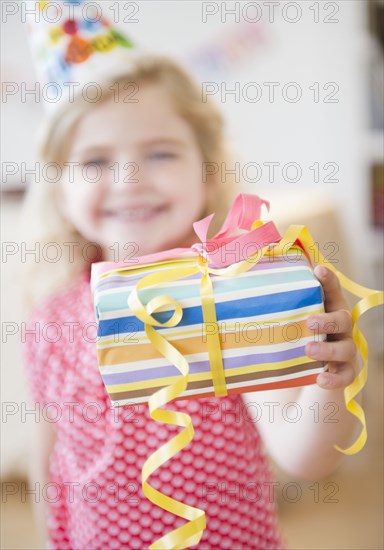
(115, 301)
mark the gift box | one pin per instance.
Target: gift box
(227, 315)
(260, 327)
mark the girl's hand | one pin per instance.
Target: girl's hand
(339, 350)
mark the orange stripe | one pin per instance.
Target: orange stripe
(292, 383)
(197, 344)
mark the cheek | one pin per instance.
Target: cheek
(189, 205)
(182, 182)
(81, 201)
(192, 189)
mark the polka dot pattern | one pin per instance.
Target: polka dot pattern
(99, 451)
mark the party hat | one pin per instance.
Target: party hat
(73, 43)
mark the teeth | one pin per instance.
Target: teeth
(135, 214)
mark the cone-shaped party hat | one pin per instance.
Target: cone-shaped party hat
(73, 43)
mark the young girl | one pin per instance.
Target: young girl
(132, 179)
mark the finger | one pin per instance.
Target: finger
(336, 351)
(339, 376)
(337, 322)
(333, 296)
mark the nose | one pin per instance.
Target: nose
(124, 172)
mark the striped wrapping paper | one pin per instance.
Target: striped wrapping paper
(261, 316)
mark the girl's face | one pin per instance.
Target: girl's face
(133, 182)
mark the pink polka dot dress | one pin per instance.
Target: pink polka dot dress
(94, 491)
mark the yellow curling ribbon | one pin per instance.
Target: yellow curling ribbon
(190, 533)
(369, 298)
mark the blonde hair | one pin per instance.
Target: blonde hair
(42, 221)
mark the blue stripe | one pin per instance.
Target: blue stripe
(246, 307)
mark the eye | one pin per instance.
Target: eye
(162, 155)
(96, 162)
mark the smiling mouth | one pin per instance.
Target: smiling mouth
(135, 215)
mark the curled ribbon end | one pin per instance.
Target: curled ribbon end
(356, 446)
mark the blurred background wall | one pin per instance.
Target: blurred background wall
(301, 87)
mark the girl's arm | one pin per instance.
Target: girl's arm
(299, 426)
(42, 440)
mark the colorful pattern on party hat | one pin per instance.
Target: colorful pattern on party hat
(73, 40)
